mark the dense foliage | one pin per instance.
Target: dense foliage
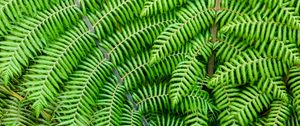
(150, 62)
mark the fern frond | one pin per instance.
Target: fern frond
(201, 47)
(258, 28)
(153, 7)
(224, 95)
(247, 106)
(131, 117)
(28, 38)
(137, 70)
(196, 119)
(285, 51)
(287, 14)
(293, 121)
(115, 12)
(196, 101)
(82, 89)
(135, 37)
(229, 47)
(269, 3)
(165, 120)
(274, 86)
(231, 9)
(178, 34)
(184, 77)
(248, 67)
(12, 10)
(294, 86)
(17, 114)
(111, 101)
(45, 78)
(279, 113)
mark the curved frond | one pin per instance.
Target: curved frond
(166, 120)
(196, 119)
(131, 117)
(224, 95)
(248, 66)
(16, 114)
(111, 101)
(279, 113)
(137, 69)
(135, 36)
(246, 107)
(12, 10)
(229, 47)
(274, 86)
(255, 27)
(183, 78)
(114, 12)
(153, 7)
(82, 88)
(46, 77)
(31, 35)
(177, 34)
(294, 87)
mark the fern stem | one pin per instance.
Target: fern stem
(214, 32)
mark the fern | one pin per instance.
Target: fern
(178, 33)
(82, 88)
(32, 34)
(153, 7)
(149, 62)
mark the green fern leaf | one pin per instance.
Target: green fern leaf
(131, 117)
(45, 78)
(196, 119)
(82, 89)
(183, 78)
(258, 28)
(294, 85)
(165, 120)
(28, 38)
(178, 34)
(135, 37)
(153, 7)
(248, 67)
(115, 12)
(273, 86)
(279, 113)
(111, 102)
(225, 95)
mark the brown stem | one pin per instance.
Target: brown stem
(214, 32)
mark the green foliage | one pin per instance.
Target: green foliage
(150, 62)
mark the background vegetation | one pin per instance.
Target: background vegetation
(150, 62)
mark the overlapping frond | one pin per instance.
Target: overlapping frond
(45, 78)
(224, 95)
(16, 113)
(31, 35)
(114, 13)
(196, 119)
(82, 88)
(183, 78)
(229, 47)
(131, 117)
(246, 107)
(274, 86)
(135, 36)
(294, 86)
(177, 34)
(165, 120)
(258, 28)
(153, 7)
(137, 69)
(13, 10)
(248, 67)
(111, 102)
(278, 114)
